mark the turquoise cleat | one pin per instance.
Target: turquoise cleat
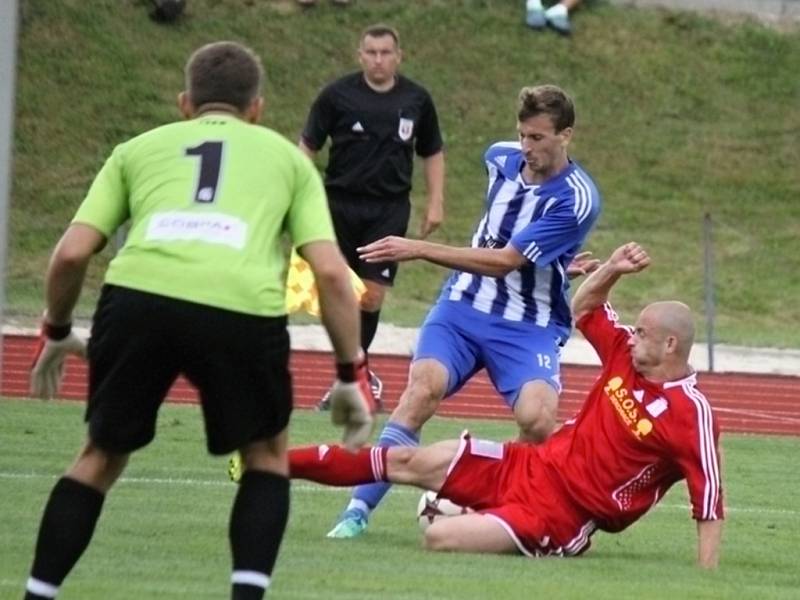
(351, 524)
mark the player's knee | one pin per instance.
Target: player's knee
(427, 384)
(535, 424)
(535, 412)
(426, 387)
(372, 299)
(371, 302)
(438, 539)
(400, 465)
(98, 468)
(537, 431)
(416, 406)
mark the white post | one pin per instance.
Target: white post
(8, 71)
(708, 284)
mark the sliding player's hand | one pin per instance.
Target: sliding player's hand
(582, 264)
(352, 404)
(629, 258)
(55, 343)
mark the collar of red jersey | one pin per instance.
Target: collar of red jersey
(691, 379)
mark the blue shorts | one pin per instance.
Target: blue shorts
(466, 340)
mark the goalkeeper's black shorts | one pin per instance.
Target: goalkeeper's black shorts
(142, 342)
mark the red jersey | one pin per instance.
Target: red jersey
(634, 438)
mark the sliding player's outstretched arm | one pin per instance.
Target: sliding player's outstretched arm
(594, 291)
(709, 539)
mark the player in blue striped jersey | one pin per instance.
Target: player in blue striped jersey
(505, 308)
(545, 224)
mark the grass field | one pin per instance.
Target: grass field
(678, 115)
(163, 530)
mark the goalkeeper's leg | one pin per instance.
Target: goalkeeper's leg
(69, 518)
(259, 515)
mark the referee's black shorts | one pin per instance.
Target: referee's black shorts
(359, 221)
(141, 342)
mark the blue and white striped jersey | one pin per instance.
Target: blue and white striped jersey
(548, 223)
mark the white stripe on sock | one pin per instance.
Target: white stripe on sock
(375, 456)
(358, 505)
(251, 578)
(41, 588)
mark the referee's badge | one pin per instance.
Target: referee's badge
(406, 129)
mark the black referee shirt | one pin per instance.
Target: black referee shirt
(373, 136)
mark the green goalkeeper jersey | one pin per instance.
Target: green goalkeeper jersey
(209, 201)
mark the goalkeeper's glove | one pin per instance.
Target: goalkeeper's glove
(352, 403)
(55, 342)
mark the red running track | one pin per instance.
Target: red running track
(744, 403)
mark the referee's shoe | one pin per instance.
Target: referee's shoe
(375, 384)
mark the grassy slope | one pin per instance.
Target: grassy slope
(678, 115)
(163, 531)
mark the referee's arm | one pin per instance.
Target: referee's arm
(434, 184)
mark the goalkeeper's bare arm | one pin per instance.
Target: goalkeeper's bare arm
(352, 403)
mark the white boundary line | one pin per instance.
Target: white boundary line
(313, 488)
(753, 414)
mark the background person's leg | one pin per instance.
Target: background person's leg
(371, 304)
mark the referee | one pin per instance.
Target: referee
(376, 120)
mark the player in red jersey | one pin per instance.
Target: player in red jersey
(644, 426)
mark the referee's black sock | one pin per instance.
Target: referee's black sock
(66, 528)
(258, 519)
(369, 325)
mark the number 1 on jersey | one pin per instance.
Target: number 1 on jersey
(210, 154)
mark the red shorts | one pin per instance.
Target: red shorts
(509, 483)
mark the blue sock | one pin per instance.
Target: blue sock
(369, 496)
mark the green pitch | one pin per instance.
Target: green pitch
(163, 533)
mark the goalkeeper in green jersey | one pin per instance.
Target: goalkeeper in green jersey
(198, 289)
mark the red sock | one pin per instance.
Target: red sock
(333, 465)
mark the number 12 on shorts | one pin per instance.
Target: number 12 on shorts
(543, 360)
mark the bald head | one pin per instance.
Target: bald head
(661, 341)
(673, 319)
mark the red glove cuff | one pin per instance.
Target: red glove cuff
(348, 372)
